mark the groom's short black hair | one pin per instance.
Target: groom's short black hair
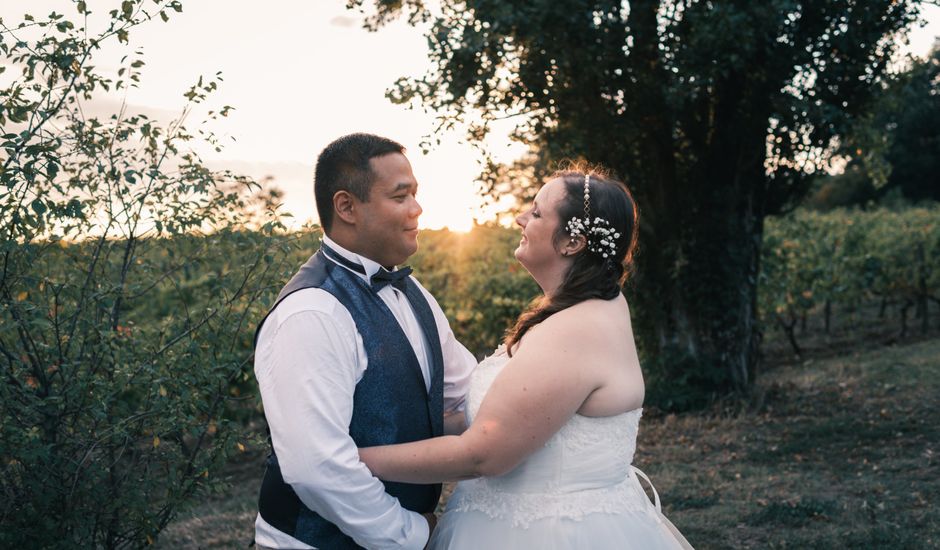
(344, 165)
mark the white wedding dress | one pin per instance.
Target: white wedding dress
(580, 491)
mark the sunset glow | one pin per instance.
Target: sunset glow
(300, 74)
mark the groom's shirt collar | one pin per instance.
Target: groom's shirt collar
(371, 267)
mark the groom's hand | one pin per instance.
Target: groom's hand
(432, 523)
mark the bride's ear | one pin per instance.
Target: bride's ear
(573, 245)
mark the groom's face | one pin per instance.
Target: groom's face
(387, 225)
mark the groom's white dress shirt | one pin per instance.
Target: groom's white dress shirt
(308, 360)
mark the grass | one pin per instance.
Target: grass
(841, 453)
(838, 452)
(224, 520)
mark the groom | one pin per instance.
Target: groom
(354, 353)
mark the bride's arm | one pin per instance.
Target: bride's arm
(540, 389)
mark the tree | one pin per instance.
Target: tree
(914, 154)
(117, 361)
(714, 112)
(894, 148)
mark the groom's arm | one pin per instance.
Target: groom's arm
(455, 423)
(307, 377)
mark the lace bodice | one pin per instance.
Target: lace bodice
(584, 468)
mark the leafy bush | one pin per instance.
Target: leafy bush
(129, 286)
(818, 260)
(477, 281)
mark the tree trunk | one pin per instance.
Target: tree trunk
(787, 327)
(700, 250)
(922, 292)
(934, 300)
(904, 309)
(700, 313)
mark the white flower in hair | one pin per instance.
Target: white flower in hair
(597, 233)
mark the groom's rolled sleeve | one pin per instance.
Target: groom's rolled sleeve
(307, 378)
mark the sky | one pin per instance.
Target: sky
(299, 74)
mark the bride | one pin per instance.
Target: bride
(552, 417)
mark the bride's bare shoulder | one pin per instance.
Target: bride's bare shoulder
(592, 313)
(582, 323)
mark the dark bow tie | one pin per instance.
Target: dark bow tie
(397, 278)
(383, 277)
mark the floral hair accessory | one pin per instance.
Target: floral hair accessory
(600, 235)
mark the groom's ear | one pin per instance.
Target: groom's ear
(344, 206)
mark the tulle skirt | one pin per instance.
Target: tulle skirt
(640, 529)
(473, 530)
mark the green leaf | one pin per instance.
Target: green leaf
(39, 207)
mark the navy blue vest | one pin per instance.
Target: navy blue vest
(390, 405)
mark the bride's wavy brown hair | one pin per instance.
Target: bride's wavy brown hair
(590, 275)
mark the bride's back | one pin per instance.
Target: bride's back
(607, 354)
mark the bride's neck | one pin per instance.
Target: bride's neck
(550, 282)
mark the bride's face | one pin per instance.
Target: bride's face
(539, 224)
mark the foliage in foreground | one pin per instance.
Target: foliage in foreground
(127, 285)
